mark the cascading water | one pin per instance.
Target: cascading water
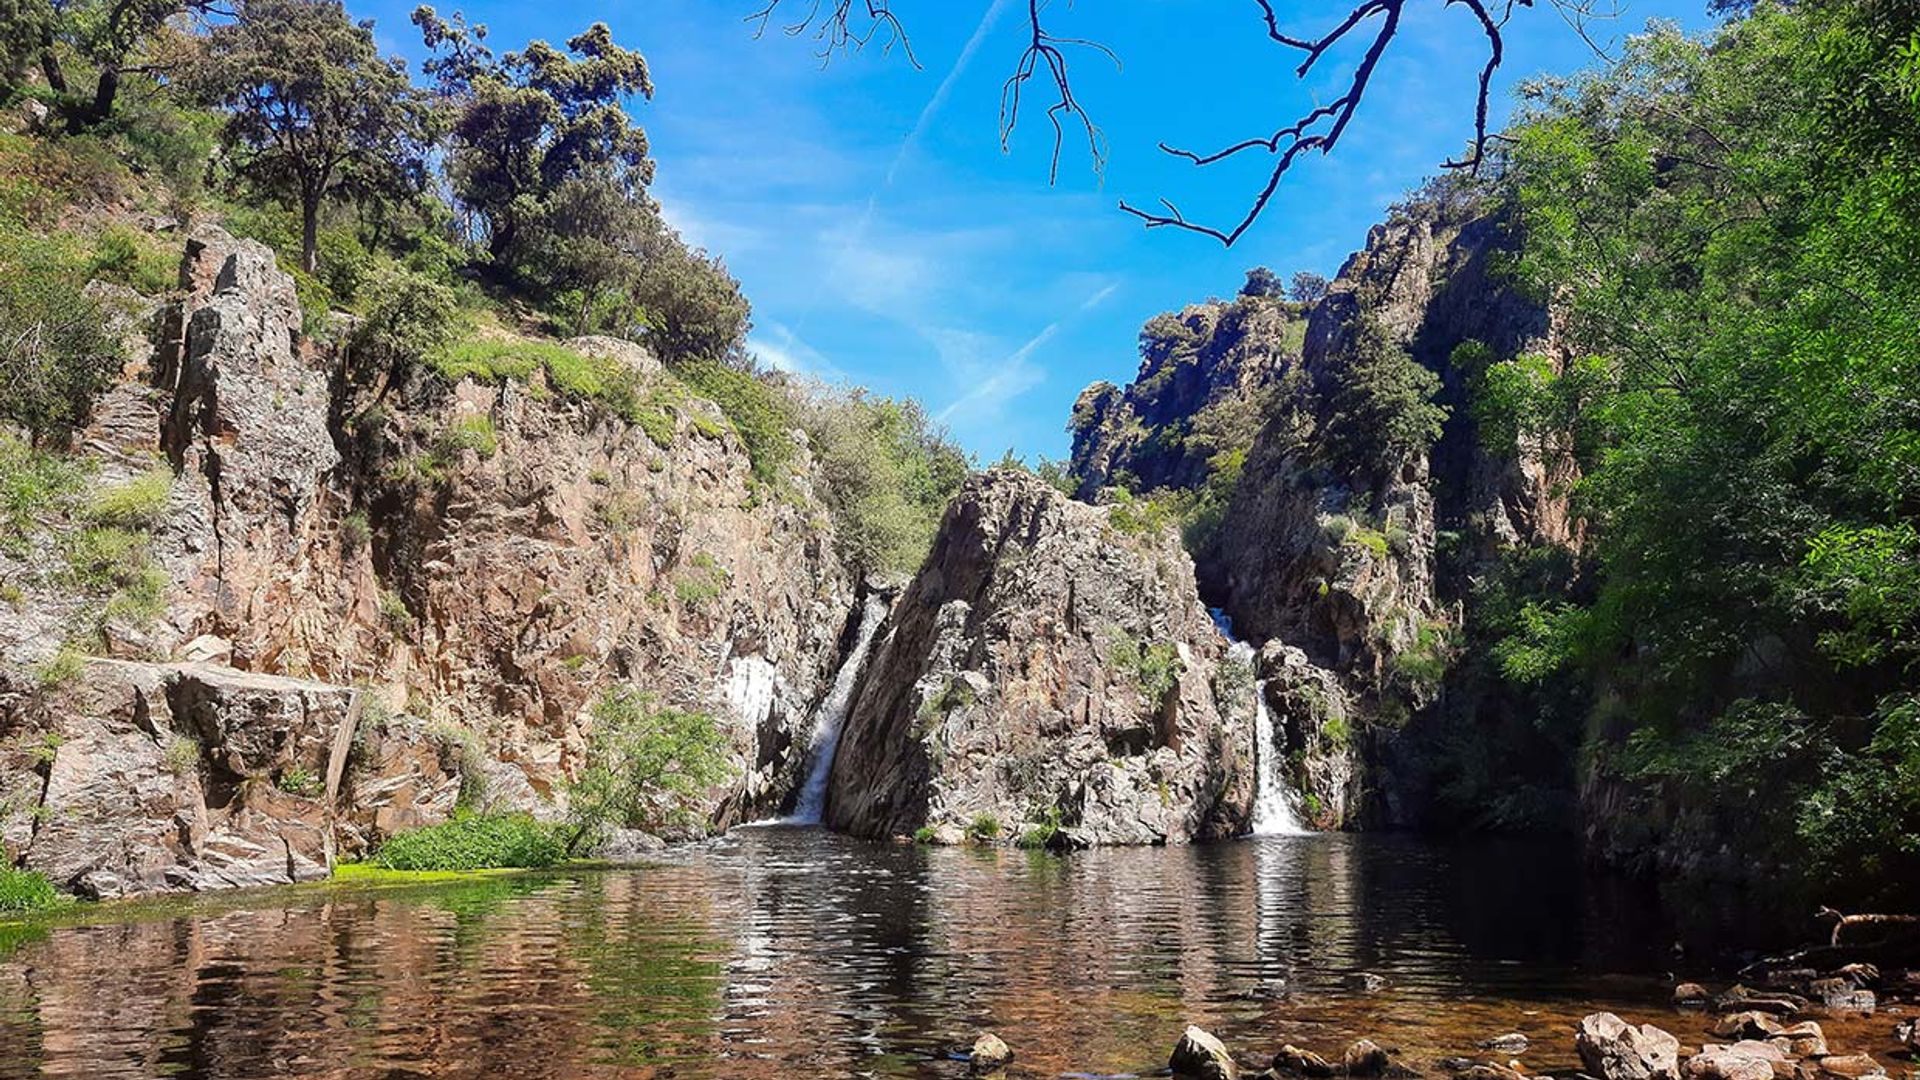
(1273, 803)
(832, 713)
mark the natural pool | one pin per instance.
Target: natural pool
(796, 953)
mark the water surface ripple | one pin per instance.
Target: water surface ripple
(795, 953)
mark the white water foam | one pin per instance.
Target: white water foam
(832, 714)
(1273, 813)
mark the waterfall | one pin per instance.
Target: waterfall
(832, 713)
(1273, 803)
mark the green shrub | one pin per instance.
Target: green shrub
(394, 612)
(475, 433)
(700, 582)
(138, 260)
(647, 766)
(407, 317)
(984, 829)
(925, 834)
(473, 842)
(758, 414)
(135, 504)
(60, 353)
(888, 472)
(355, 532)
(24, 891)
(299, 780)
(463, 754)
(182, 755)
(1155, 669)
(1044, 834)
(61, 669)
(34, 483)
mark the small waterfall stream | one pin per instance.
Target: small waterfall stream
(1273, 813)
(832, 714)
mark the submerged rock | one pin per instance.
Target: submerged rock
(1365, 1058)
(1294, 1061)
(1200, 1056)
(1366, 982)
(1511, 1043)
(1612, 1049)
(989, 1053)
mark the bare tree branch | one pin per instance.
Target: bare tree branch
(841, 26)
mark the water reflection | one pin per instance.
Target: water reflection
(783, 953)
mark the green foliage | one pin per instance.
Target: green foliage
(925, 834)
(23, 892)
(355, 532)
(888, 473)
(1727, 227)
(136, 504)
(1380, 407)
(182, 755)
(1423, 664)
(314, 113)
(1155, 669)
(61, 669)
(1044, 834)
(299, 780)
(394, 612)
(475, 433)
(33, 485)
(473, 842)
(59, 354)
(461, 753)
(700, 582)
(757, 412)
(984, 829)
(647, 766)
(408, 317)
(135, 259)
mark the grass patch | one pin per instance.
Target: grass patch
(700, 582)
(135, 504)
(984, 829)
(475, 433)
(366, 873)
(61, 669)
(34, 484)
(473, 842)
(925, 834)
(23, 892)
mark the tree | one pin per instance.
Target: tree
(846, 25)
(315, 113)
(1381, 411)
(1308, 288)
(645, 766)
(106, 38)
(530, 123)
(690, 306)
(1261, 282)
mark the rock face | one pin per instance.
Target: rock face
(1612, 1049)
(1045, 668)
(1208, 375)
(481, 559)
(183, 776)
(1360, 570)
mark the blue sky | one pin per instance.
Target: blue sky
(886, 240)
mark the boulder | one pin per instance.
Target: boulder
(1741, 1061)
(1842, 993)
(628, 846)
(1366, 982)
(1802, 1040)
(1751, 1024)
(1847, 1067)
(1294, 1061)
(1612, 1049)
(989, 1053)
(1691, 996)
(1908, 1034)
(1200, 1056)
(1365, 1058)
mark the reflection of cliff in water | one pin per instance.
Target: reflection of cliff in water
(784, 952)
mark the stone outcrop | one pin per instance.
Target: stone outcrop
(1208, 375)
(482, 559)
(1612, 1049)
(1045, 668)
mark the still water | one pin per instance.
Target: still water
(794, 953)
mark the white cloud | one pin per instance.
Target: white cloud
(778, 347)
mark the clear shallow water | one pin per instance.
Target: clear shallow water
(794, 953)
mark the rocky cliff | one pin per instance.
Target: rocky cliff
(1350, 558)
(1049, 675)
(337, 609)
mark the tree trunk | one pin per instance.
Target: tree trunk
(309, 232)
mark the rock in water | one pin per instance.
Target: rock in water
(1849, 1067)
(1297, 1062)
(1746, 1025)
(1200, 1056)
(1045, 656)
(1802, 1040)
(1365, 1058)
(1741, 1061)
(989, 1053)
(1366, 982)
(1612, 1049)
(1511, 1043)
(1691, 996)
